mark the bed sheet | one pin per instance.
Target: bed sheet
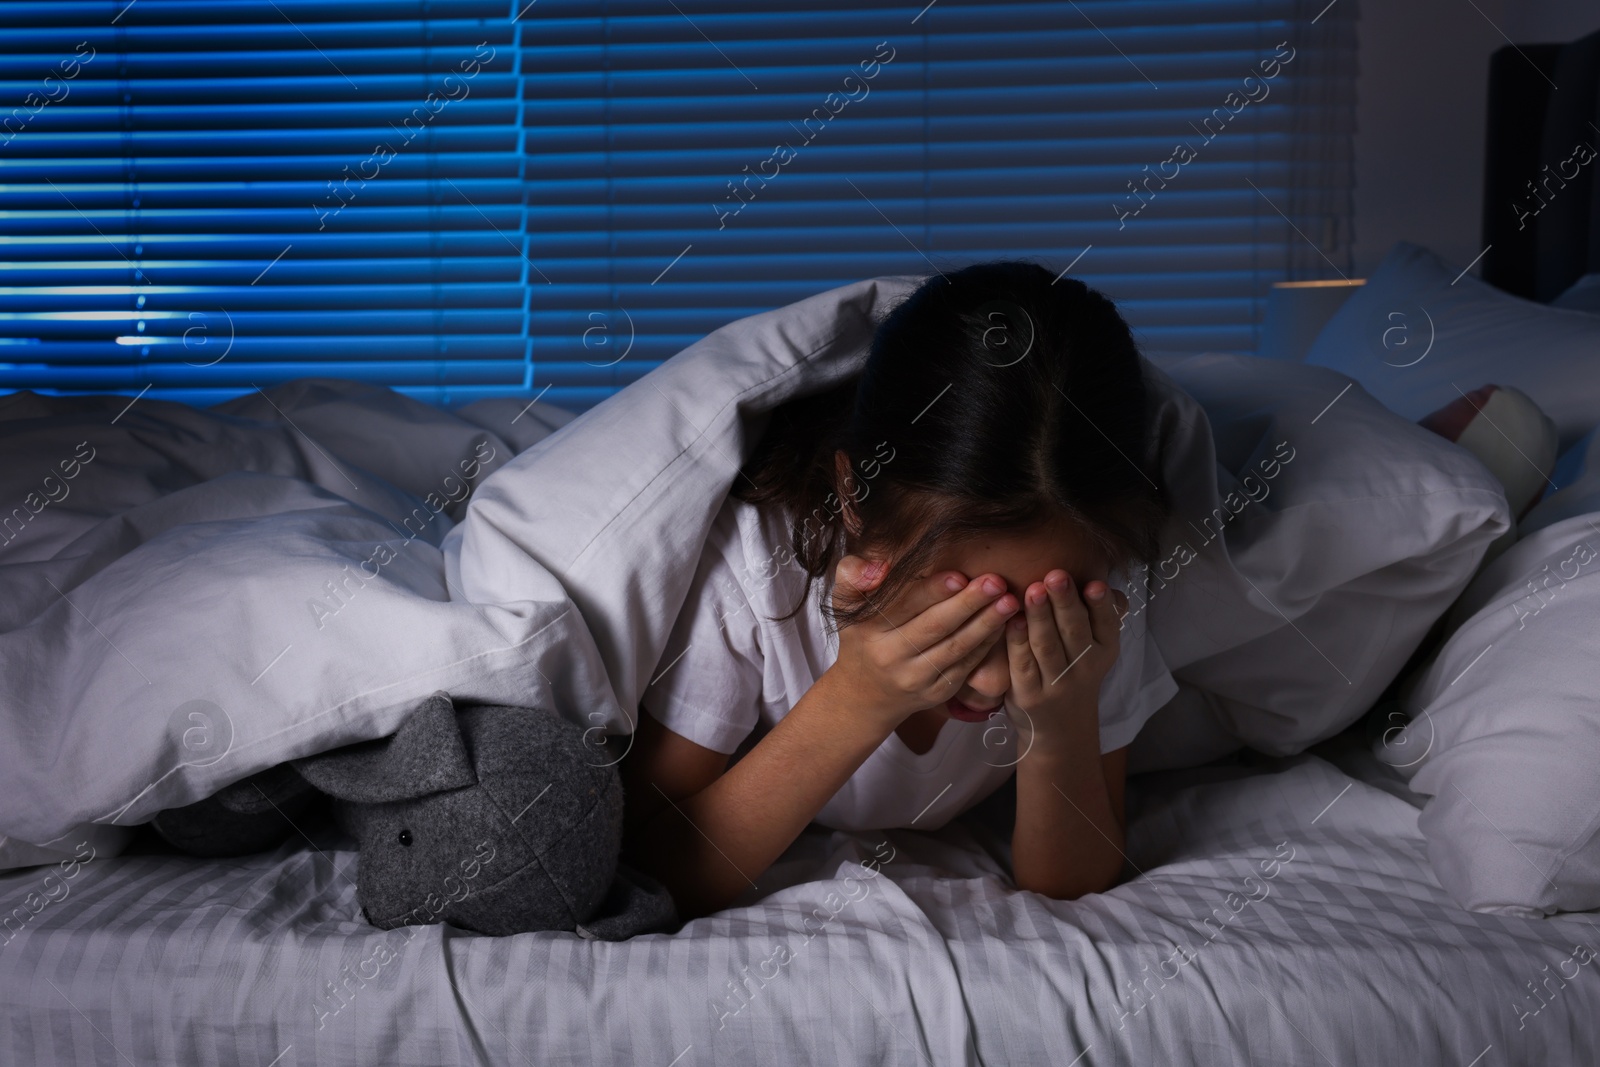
(1281, 913)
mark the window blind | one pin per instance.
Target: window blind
(628, 175)
(202, 197)
(694, 161)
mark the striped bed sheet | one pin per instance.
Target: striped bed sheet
(1280, 913)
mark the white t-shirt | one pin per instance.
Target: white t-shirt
(729, 673)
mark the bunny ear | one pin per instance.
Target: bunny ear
(426, 755)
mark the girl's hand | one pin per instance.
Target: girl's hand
(1060, 650)
(915, 652)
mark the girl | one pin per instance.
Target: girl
(961, 509)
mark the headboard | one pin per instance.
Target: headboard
(1541, 199)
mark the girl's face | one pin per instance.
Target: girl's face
(1021, 560)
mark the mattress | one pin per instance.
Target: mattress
(1280, 911)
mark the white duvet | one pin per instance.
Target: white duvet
(199, 594)
(215, 592)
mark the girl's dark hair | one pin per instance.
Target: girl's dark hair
(994, 397)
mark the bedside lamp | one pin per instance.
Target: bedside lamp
(1296, 313)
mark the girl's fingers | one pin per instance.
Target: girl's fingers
(1071, 617)
(1043, 636)
(972, 638)
(1105, 617)
(1019, 655)
(967, 663)
(910, 612)
(975, 612)
(924, 593)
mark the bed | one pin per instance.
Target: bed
(1284, 903)
(1349, 953)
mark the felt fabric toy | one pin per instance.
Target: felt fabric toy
(495, 819)
(1511, 435)
(1516, 441)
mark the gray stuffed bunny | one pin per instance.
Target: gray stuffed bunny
(495, 819)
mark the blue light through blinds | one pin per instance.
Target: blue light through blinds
(619, 177)
(695, 161)
(203, 197)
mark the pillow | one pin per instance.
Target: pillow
(1418, 334)
(1504, 731)
(1573, 487)
(1318, 537)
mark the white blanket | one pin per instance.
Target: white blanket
(219, 591)
(195, 595)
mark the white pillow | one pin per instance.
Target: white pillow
(1368, 527)
(1504, 735)
(1573, 487)
(1419, 334)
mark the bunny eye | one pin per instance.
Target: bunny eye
(405, 838)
